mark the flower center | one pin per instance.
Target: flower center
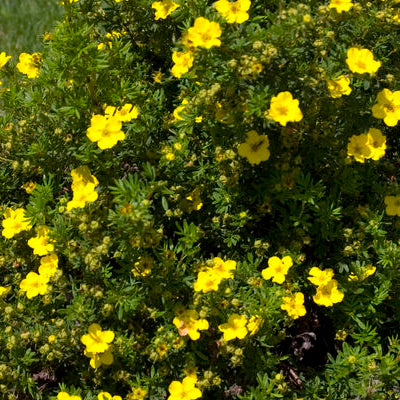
(255, 146)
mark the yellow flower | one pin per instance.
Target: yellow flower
(3, 59)
(223, 268)
(107, 396)
(188, 323)
(207, 281)
(339, 86)
(254, 324)
(368, 271)
(106, 131)
(14, 222)
(51, 339)
(184, 390)
(98, 359)
(157, 78)
(126, 113)
(388, 107)
(83, 187)
(4, 291)
(255, 148)
(234, 328)
(377, 143)
(277, 269)
(137, 394)
(284, 109)
(164, 8)
(34, 284)
(205, 33)
(28, 64)
(320, 277)
(294, 305)
(361, 61)
(97, 341)
(358, 147)
(179, 109)
(65, 395)
(328, 294)
(143, 266)
(183, 61)
(392, 205)
(48, 265)
(29, 187)
(341, 5)
(41, 244)
(81, 195)
(233, 12)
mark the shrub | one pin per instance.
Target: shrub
(201, 199)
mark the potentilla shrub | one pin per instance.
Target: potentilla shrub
(201, 199)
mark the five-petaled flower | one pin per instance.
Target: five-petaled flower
(97, 340)
(294, 305)
(184, 390)
(255, 148)
(277, 269)
(28, 64)
(234, 328)
(41, 243)
(388, 107)
(105, 130)
(284, 108)
(34, 284)
(204, 33)
(233, 11)
(14, 222)
(361, 61)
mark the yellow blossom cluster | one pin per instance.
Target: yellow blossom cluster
(83, 188)
(371, 145)
(111, 36)
(35, 284)
(106, 129)
(238, 326)
(98, 347)
(327, 291)
(210, 278)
